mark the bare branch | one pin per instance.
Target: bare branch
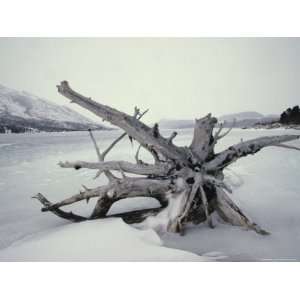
(122, 171)
(133, 127)
(242, 149)
(171, 138)
(99, 172)
(142, 114)
(100, 158)
(138, 161)
(128, 187)
(220, 136)
(219, 131)
(131, 217)
(92, 193)
(117, 140)
(145, 169)
(108, 174)
(232, 214)
(60, 213)
(102, 207)
(215, 139)
(205, 205)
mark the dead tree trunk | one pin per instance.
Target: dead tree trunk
(187, 181)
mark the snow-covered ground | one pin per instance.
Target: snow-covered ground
(266, 186)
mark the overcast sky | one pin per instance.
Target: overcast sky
(175, 78)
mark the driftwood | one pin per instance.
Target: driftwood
(187, 181)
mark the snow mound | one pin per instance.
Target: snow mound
(98, 240)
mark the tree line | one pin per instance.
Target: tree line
(291, 116)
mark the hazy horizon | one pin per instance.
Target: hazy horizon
(182, 78)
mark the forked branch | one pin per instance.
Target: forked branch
(132, 126)
(227, 157)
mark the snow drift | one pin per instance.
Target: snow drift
(99, 240)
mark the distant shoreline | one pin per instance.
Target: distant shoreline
(55, 131)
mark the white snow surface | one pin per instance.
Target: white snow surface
(99, 240)
(265, 186)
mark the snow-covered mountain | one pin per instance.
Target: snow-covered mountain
(21, 111)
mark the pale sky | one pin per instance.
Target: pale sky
(175, 78)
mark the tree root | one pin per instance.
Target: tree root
(187, 181)
(232, 214)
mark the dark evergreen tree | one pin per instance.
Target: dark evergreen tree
(291, 116)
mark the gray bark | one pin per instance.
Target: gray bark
(139, 169)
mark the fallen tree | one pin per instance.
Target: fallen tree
(187, 181)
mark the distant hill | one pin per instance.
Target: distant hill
(21, 111)
(248, 119)
(241, 116)
(243, 120)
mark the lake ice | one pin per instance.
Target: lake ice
(266, 186)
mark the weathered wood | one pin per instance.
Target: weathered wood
(84, 195)
(133, 127)
(131, 217)
(202, 138)
(139, 169)
(198, 179)
(220, 136)
(232, 214)
(205, 205)
(101, 157)
(136, 115)
(60, 213)
(188, 182)
(227, 157)
(128, 187)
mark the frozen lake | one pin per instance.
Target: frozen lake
(266, 186)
